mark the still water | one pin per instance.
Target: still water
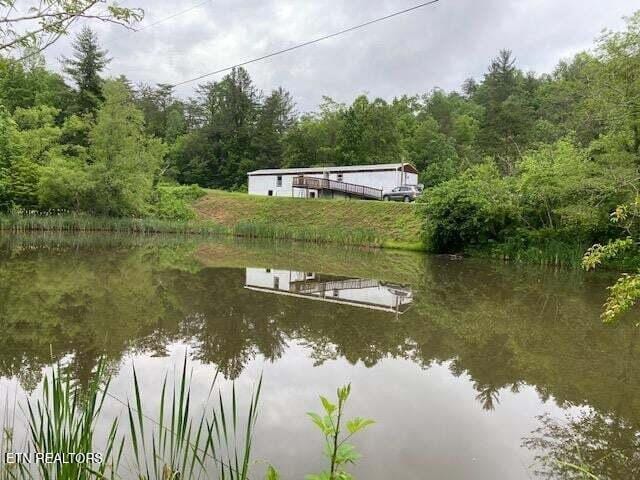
(471, 369)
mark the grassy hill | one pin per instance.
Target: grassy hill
(393, 225)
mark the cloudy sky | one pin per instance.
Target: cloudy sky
(437, 46)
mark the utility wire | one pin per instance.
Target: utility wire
(170, 17)
(310, 42)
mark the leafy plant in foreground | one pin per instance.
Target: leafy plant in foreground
(339, 452)
(625, 293)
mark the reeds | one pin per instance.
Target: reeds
(86, 223)
(549, 253)
(63, 421)
(175, 443)
(181, 445)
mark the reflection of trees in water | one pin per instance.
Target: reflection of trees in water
(605, 446)
(502, 327)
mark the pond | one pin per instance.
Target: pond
(471, 369)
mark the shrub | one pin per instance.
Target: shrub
(474, 208)
(174, 202)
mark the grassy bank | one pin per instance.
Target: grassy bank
(391, 225)
(18, 223)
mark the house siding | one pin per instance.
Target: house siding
(261, 184)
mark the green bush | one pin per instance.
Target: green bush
(174, 202)
(477, 207)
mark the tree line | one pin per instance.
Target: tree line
(512, 158)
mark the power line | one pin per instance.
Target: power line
(310, 42)
(170, 17)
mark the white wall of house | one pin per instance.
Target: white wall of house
(376, 295)
(263, 184)
(275, 279)
(277, 185)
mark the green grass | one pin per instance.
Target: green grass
(346, 222)
(549, 253)
(85, 223)
(355, 222)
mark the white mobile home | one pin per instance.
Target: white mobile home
(359, 181)
(357, 292)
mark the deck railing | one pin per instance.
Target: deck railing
(351, 284)
(316, 183)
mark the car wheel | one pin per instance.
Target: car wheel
(385, 198)
(407, 199)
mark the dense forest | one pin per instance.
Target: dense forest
(514, 160)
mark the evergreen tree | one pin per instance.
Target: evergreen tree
(509, 115)
(230, 110)
(84, 68)
(276, 115)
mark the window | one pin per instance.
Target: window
(270, 193)
(339, 177)
(279, 181)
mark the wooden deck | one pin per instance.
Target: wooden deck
(348, 189)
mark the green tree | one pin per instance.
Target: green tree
(126, 161)
(559, 190)
(616, 89)
(85, 67)
(313, 139)
(432, 152)
(477, 207)
(230, 110)
(31, 86)
(163, 114)
(506, 95)
(275, 117)
(369, 133)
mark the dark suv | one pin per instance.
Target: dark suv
(405, 193)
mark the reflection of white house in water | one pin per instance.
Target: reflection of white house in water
(358, 292)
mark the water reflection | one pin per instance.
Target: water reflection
(358, 292)
(586, 445)
(478, 351)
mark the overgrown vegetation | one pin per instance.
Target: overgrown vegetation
(178, 441)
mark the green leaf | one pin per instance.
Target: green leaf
(272, 474)
(322, 476)
(347, 454)
(317, 420)
(328, 406)
(357, 424)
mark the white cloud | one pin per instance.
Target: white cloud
(436, 46)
